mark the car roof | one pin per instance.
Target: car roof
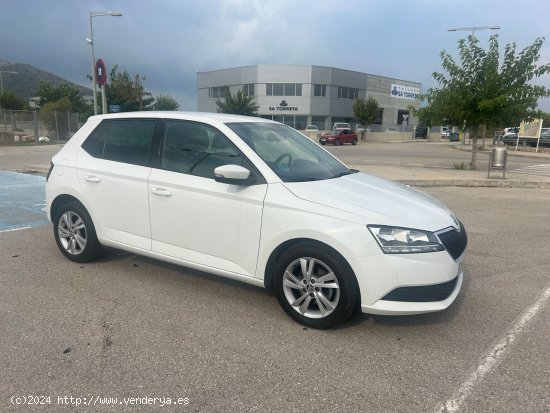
(196, 116)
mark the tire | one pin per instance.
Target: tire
(74, 233)
(337, 142)
(303, 297)
(354, 141)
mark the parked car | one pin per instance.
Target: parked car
(312, 128)
(512, 139)
(421, 133)
(511, 131)
(545, 137)
(339, 137)
(256, 201)
(338, 126)
(444, 132)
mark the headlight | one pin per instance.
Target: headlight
(395, 240)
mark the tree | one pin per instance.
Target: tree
(48, 93)
(57, 124)
(482, 90)
(166, 103)
(10, 101)
(366, 112)
(128, 92)
(238, 104)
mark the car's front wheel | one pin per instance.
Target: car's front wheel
(74, 233)
(315, 286)
(354, 141)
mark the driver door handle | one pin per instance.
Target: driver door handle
(161, 192)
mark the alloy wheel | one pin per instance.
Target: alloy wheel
(311, 287)
(72, 233)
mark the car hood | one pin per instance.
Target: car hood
(377, 201)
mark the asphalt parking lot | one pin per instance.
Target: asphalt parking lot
(126, 326)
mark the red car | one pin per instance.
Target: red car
(339, 137)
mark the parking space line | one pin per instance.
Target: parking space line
(14, 229)
(492, 359)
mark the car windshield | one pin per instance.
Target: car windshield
(292, 156)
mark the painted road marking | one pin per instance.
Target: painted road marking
(22, 201)
(542, 169)
(454, 404)
(14, 229)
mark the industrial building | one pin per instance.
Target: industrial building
(300, 95)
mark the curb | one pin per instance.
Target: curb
(517, 155)
(37, 170)
(474, 183)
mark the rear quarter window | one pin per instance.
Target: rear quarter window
(126, 140)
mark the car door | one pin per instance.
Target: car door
(113, 167)
(193, 217)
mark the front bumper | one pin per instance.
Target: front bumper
(431, 282)
(385, 307)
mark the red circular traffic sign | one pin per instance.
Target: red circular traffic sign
(100, 72)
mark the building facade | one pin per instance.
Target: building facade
(310, 95)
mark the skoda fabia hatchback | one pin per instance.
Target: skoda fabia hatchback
(256, 201)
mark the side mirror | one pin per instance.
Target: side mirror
(232, 174)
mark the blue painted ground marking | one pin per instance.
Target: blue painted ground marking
(22, 199)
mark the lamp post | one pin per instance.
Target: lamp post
(90, 41)
(2, 80)
(473, 29)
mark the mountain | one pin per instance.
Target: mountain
(25, 83)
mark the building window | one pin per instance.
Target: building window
(347, 93)
(319, 90)
(284, 89)
(219, 91)
(248, 90)
(290, 89)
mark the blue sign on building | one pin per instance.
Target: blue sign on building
(114, 108)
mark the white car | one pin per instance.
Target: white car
(256, 201)
(340, 126)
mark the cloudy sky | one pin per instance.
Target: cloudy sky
(168, 41)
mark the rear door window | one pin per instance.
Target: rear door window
(129, 141)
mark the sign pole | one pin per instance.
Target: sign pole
(104, 99)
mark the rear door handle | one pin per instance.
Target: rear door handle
(161, 192)
(92, 178)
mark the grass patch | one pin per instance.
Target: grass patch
(460, 165)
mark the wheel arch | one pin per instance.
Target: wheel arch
(278, 251)
(62, 200)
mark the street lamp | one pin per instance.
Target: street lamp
(473, 29)
(90, 41)
(2, 80)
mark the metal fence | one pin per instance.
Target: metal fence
(30, 126)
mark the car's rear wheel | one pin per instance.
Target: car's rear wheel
(74, 233)
(315, 286)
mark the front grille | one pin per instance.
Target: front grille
(454, 241)
(422, 293)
